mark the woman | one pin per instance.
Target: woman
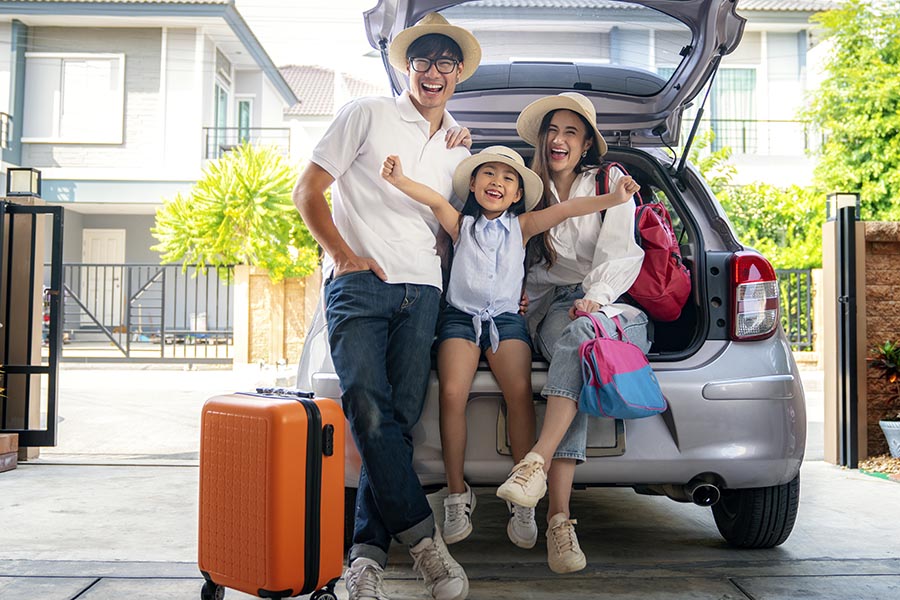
(585, 263)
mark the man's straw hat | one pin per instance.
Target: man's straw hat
(435, 23)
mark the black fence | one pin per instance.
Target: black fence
(148, 313)
(796, 306)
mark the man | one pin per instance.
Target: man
(382, 289)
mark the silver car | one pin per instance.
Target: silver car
(734, 434)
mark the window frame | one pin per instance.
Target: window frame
(117, 137)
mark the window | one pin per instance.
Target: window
(734, 110)
(244, 110)
(74, 98)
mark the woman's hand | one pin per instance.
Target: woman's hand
(523, 303)
(458, 136)
(626, 187)
(392, 170)
(583, 305)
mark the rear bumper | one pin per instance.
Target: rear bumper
(739, 416)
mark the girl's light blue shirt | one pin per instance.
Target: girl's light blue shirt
(488, 270)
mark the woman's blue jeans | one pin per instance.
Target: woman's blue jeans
(559, 339)
(381, 336)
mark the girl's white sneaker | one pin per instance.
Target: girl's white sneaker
(458, 509)
(521, 529)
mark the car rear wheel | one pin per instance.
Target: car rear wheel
(758, 517)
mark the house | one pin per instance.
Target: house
(321, 92)
(119, 104)
(758, 91)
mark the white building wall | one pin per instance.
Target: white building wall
(5, 66)
(181, 105)
(141, 147)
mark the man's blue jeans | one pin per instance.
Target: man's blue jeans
(381, 336)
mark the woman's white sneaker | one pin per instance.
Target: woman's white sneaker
(521, 529)
(444, 578)
(458, 509)
(527, 482)
(564, 555)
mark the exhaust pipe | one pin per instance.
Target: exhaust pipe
(703, 493)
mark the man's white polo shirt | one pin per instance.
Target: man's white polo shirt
(376, 219)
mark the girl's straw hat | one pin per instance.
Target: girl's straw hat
(435, 23)
(534, 187)
(529, 122)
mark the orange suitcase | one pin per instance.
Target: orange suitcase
(271, 496)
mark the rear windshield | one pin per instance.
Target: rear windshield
(599, 45)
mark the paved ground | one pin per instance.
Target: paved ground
(111, 513)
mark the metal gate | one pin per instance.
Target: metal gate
(150, 313)
(28, 402)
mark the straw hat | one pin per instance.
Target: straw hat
(435, 23)
(529, 122)
(534, 187)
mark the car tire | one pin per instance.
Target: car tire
(758, 517)
(349, 516)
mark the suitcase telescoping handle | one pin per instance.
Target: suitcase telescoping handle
(279, 391)
(327, 430)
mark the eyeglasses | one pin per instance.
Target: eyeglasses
(444, 65)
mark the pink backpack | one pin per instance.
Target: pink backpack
(664, 283)
(618, 381)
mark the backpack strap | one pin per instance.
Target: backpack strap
(599, 331)
(601, 182)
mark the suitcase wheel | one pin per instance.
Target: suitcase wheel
(325, 594)
(211, 591)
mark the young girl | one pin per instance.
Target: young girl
(489, 238)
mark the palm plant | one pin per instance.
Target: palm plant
(239, 212)
(887, 363)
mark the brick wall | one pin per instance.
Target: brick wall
(882, 306)
(271, 319)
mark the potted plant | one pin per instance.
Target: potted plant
(887, 363)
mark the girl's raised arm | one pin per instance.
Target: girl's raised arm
(539, 221)
(446, 215)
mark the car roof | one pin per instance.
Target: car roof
(640, 62)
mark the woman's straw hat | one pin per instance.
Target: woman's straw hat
(529, 122)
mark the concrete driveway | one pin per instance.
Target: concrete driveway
(113, 515)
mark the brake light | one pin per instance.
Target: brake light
(754, 296)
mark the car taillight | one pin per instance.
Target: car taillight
(754, 297)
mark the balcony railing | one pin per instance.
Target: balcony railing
(220, 140)
(771, 137)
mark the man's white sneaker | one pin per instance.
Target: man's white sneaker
(521, 529)
(458, 509)
(444, 578)
(564, 555)
(365, 580)
(527, 482)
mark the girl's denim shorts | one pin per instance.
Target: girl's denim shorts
(454, 323)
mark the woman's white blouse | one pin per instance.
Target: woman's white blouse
(598, 252)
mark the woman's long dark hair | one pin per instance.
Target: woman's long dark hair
(540, 248)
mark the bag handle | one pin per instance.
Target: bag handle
(599, 331)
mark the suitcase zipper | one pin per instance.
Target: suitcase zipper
(313, 496)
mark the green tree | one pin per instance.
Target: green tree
(239, 212)
(785, 225)
(858, 106)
